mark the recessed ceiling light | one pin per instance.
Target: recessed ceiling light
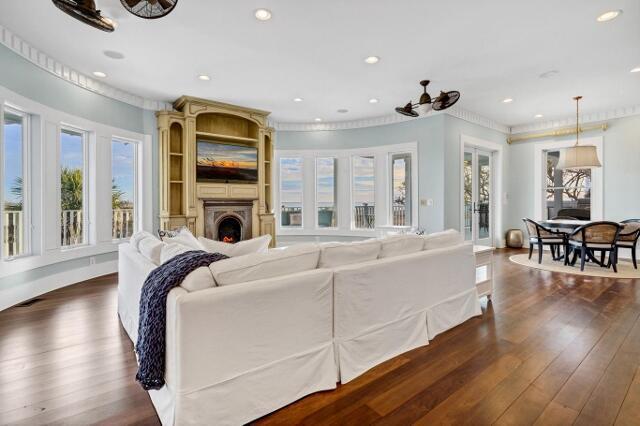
(538, 116)
(609, 16)
(343, 111)
(507, 100)
(317, 120)
(373, 101)
(636, 69)
(99, 74)
(204, 77)
(372, 59)
(549, 74)
(297, 99)
(263, 14)
(113, 54)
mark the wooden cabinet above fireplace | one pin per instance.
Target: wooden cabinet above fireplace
(182, 195)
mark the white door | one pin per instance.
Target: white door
(477, 197)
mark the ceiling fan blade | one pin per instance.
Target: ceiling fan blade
(132, 3)
(165, 4)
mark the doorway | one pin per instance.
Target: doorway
(477, 185)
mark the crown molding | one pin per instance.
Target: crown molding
(392, 118)
(51, 65)
(584, 119)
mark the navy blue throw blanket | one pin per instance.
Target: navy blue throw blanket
(153, 306)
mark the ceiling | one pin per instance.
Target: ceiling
(488, 50)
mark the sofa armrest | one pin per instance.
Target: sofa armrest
(221, 333)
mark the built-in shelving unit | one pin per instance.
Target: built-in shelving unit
(181, 195)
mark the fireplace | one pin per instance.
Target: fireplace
(228, 221)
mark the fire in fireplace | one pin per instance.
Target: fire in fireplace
(229, 229)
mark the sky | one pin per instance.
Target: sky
(123, 167)
(291, 180)
(12, 158)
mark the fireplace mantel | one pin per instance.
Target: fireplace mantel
(182, 197)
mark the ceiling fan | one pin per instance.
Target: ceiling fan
(149, 9)
(426, 103)
(85, 11)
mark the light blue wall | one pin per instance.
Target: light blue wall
(621, 167)
(427, 132)
(21, 76)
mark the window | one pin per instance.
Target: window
(567, 192)
(326, 192)
(13, 203)
(73, 188)
(401, 189)
(123, 188)
(291, 192)
(363, 192)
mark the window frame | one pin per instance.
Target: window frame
(302, 192)
(540, 175)
(26, 180)
(86, 201)
(352, 205)
(408, 157)
(546, 187)
(335, 192)
(137, 213)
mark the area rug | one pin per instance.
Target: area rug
(625, 268)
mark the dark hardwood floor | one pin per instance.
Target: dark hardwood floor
(550, 349)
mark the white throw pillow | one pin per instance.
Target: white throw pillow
(151, 248)
(443, 239)
(337, 254)
(258, 266)
(398, 245)
(171, 250)
(241, 248)
(135, 239)
(213, 246)
(199, 279)
(186, 238)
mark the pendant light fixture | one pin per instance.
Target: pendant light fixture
(579, 156)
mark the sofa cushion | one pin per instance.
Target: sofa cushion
(186, 238)
(442, 239)
(398, 245)
(138, 236)
(241, 248)
(199, 279)
(171, 250)
(151, 248)
(258, 266)
(338, 254)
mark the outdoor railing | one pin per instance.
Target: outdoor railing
(11, 233)
(364, 217)
(123, 223)
(72, 228)
(399, 212)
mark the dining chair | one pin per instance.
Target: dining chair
(628, 238)
(541, 236)
(592, 237)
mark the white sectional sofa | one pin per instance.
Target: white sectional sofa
(251, 334)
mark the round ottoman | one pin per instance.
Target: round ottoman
(514, 238)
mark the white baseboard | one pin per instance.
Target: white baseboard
(12, 295)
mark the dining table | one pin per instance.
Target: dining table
(568, 226)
